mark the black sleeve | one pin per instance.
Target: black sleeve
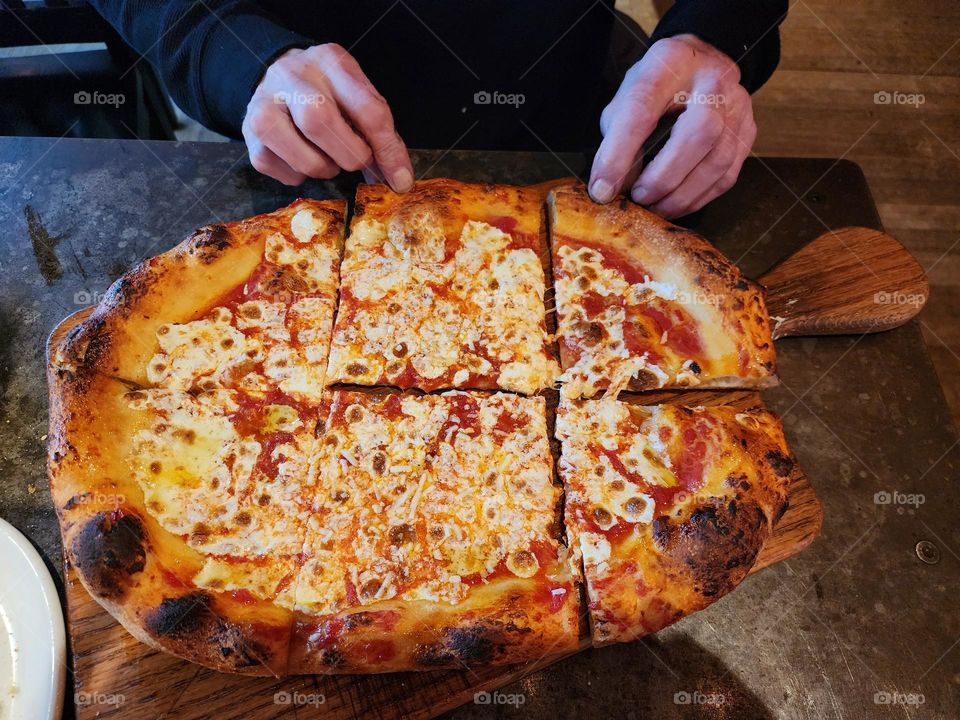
(211, 55)
(746, 30)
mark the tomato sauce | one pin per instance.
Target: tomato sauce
(509, 423)
(633, 272)
(243, 596)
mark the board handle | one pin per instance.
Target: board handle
(847, 281)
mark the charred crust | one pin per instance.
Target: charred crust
(209, 242)
(475, 644)
(189, 623)
(357, 620)
(717, 544)
(331, 657)
(108, 551)
(180, 617)
(782, 464)
(661, 531)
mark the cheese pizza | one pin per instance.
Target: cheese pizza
(270, 460)
(443, 288)
(644, 304)
(667, 505)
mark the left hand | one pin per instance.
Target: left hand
(708, 144)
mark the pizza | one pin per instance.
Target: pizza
(644, 304)
(667, 505)
(278, 450)
(443, 287)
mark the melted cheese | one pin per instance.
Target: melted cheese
(429, 499)
(448, 320)
(607, 362)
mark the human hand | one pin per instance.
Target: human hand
(708, 144)
(315, 113)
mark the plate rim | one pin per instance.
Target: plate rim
(46, 591)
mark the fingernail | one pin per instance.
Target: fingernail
(639, 194)
(401, 180)
(601, 190)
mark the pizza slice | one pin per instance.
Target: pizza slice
(245, 305)
(169, 514)
(433, 538)
(667, 505)
(644, 304)
(443, 287)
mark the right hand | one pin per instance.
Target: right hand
(315, 113)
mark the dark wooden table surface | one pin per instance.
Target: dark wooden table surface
(857, 627)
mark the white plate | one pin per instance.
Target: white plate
(32, 646)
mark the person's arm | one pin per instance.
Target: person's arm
(210, 55)
(303, 107)
(707, 57)
(745, 30)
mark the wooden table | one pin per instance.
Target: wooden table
(856, 620)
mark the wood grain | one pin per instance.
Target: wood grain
(847, 281)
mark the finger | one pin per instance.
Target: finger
(266, 162)
(746, 136)
(626, 123)
(371, 115)
(273, 127)
(715, 174)
(697, 131)
(315, 113)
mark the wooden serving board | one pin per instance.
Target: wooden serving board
(845, 281)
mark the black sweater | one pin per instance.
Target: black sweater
(432, 59)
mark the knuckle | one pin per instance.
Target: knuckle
(726, 182)
(712, 124)
(260, 159)
(259, 123)
(377, 115)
